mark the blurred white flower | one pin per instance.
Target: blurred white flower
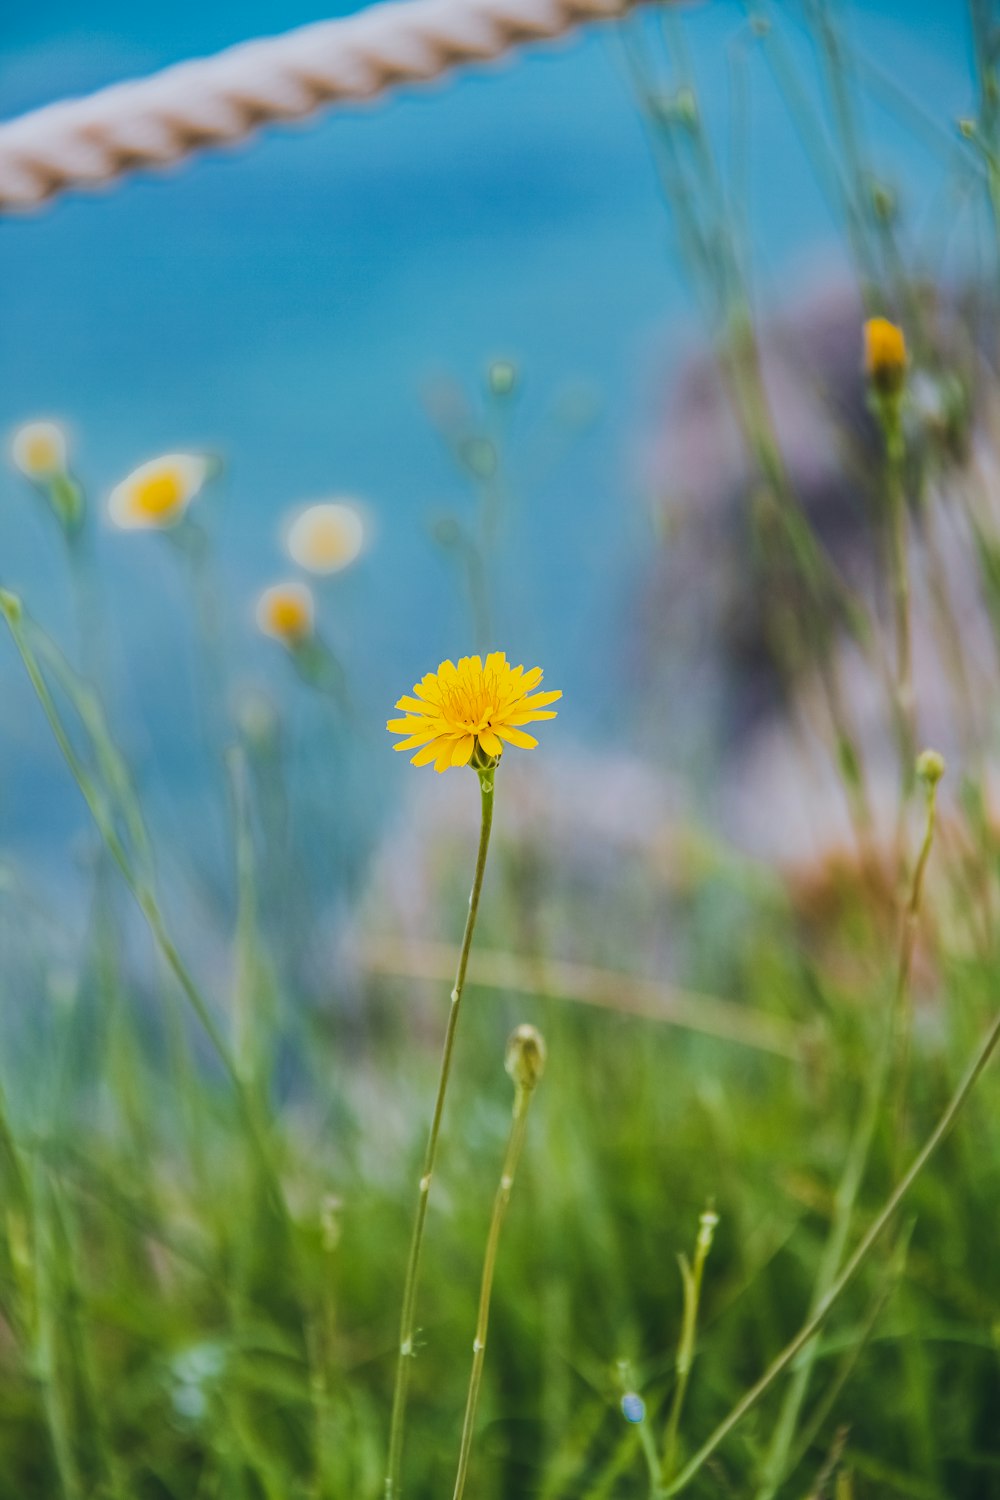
(156, 495)
(287, 612)
(327, 537)
(39, 450)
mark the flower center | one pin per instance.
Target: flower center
(159, 494)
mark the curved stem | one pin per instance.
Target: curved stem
(814, 1323)
(406, 1323)
(515, 1141)
(891, 1046)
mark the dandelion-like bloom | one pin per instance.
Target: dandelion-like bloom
(156, 495)
(885, 355)
(286, 612)
(39, 450)
(327, 537)
(459, 709)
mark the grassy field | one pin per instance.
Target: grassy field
(743, 1240)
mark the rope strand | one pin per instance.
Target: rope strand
(220, 100)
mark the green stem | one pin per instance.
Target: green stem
(142, 891)
(814, 1323)
(522, 1100)
(849, 1186)
(406, 1324)
(899, 578)
(689, 1327)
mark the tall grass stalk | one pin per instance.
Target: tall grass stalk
(691, 1274)
(891, 423)
(525, 1061)
(486, 774)
(856, 1164)
(854, 1264)
(142, 890)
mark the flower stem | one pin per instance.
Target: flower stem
(141, 887)
(815, 1321)
(406, 1323)
(692, 1275)
(890, 418)
(856, 1163)
(515, 1141)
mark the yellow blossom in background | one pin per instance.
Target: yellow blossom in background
(885, 355)
(39, 450)
(459, 708)
(327, 537)
(156, 495)
(287, 612)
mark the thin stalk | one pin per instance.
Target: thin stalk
(142, 891)
(407, 1317)
(692, 1275)
(880, 1224)
(900, 579)
(519, 1124)
(855, 1166)
(831, 1395)
(890, 421)
(901, 1019)
(48, 1362)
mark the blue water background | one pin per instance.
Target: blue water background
(284, 303)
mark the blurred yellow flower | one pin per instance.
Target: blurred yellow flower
(39, 450)
(287, 612)
(885, 355)
(327, 537)
(457, 709)
(156, 495)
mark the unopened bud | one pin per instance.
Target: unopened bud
(502, 377)
(525, 1060)
(707, 1225)
(930, 767)
(885, 356)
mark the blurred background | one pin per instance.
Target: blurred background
(296, 305)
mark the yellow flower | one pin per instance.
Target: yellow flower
(457, 709)
(39, 450)
(156, 495)
(287, 612)
(327, 537)
(885, 355)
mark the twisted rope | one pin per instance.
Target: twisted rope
(215, 101)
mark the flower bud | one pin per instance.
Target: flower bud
(885, 356)
(525, 1060)
(930, 767)
(502, 377)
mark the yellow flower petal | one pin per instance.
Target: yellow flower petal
(516, 737)
(427, 754)
(462, 753)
